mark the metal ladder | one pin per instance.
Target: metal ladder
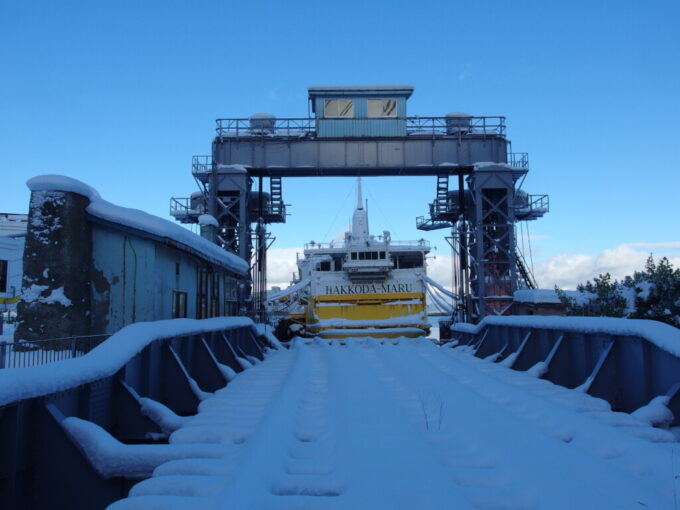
(277, 207)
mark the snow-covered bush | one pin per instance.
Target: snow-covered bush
(601, 298)
(657, 291)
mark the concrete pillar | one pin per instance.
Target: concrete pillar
(57, 257)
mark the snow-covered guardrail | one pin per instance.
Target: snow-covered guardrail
(109, 357)
(105, 417)
(627, 362)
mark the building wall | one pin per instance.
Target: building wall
(110, 275)
(11, 251)
(360, 124)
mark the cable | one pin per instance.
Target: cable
(325, 236)
(387, 220)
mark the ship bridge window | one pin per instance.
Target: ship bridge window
(338, 108)
(382, 108)
(409, 260)
(325, 265)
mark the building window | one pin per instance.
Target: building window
(230, 296)
(179, 304)
(382, 108)
(215, 297)
(202, 294)
(338, 108)
(3, 276)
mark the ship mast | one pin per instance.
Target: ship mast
(360, 218)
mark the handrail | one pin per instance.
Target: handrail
(306, 127)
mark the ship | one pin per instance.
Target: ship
(364, 285)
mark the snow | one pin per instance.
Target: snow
(662, 335)
(656, 412)
(372, 331)
(32, 294)
(56, 296)
(411, 320)
(161, 415)
(289, 291)
(405, 424)
(233, 169)
(52, 182)
(491, 164)
(268, 331)
(104, 360)
(207, 220)
(111, 458)
(140, 220)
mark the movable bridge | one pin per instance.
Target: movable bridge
(515, 413)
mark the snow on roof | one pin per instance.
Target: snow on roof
(51, 182)
(662, 335)
(360, 88)
(535, 296)
(104, 360)
(140, 220)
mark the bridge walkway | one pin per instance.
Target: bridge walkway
(406, 424)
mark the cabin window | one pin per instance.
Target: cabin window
(382, 254)
(179, 304)
(202, 294)
(382, 108)
(353, 255)
(338, 108)
(325, 266)
(3, 276)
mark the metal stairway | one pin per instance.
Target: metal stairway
(524, 271)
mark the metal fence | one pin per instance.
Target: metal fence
(23, 353)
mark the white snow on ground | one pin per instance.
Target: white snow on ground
(139, 220)
(662, 335)
(414, 320)
(105, 359)
(372, 424)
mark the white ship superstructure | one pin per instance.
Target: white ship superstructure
(365, 285)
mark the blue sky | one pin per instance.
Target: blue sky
(122, 94)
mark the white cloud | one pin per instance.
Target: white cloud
(567, 271)
(563, 270)
(281, 266)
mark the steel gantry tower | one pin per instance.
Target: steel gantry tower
(365, 131)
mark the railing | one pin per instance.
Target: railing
(289, 128)
(627, 362)
(201, 164)
(465, 126)
(306, 127)
(170, 365)
(518, 159)
(23, 354)
(533, 206)
(381, 239)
